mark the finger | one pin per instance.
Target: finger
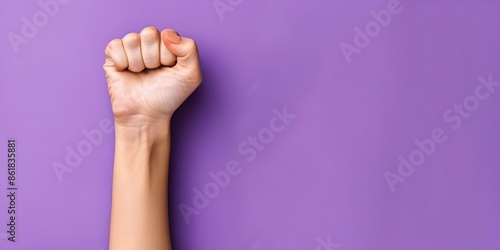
(167, 58)
(115, 55)
(132, 45)
(185, 49)
(150, 47)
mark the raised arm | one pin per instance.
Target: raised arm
(149, 75)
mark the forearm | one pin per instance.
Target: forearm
(149, 75)
(139, 213)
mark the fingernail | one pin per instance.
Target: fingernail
(173, 36)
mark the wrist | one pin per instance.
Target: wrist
(144, 133)
(142, 149)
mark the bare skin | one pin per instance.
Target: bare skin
(149, 76)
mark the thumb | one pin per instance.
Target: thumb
(183, 48)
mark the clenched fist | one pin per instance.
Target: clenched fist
(150, 74)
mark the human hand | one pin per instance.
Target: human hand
(150, 75)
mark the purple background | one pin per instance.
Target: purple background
(322, 176)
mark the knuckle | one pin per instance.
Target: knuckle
(150, 29)
(131, 39)
(150, 34)
(114, 44)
